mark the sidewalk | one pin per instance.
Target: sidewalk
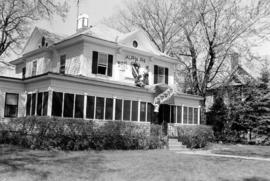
(208, 153)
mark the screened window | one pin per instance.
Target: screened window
(33, 111)
(127, 105)
(190, 115)
(11, 105)
(179, 114)
(28, 104)
(196, 115)
(134, 110)
(62, 64)
(100, 108)
(90, 107)
(57, 104)
(34, 68)
(143, 112)
(45, 103)
(39, 104)
(118, 109)
(68, 105)
(79, 105)
(150, 110)
(109, 109)
(185, 121)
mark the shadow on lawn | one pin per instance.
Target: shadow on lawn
(256, 179)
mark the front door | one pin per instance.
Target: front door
(164, 117)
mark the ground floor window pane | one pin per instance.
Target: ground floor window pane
(126, 110)
(179, 114)
(100, 108)
(134, 110)
(11, 105)
(185, 115)
(45, 103)
(150, 111)
(57, 104)
(190, 115)
(109, 109)
(79, 105)
(68, 105)
(39, 103)
(143, 111)
(118, 109)
(33, 104)
(195, 115)
(173, 112)
(90, 107)
(28, 104)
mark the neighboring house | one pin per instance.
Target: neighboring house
(97, 73)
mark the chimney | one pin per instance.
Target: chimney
(234, 60)
(82, 22)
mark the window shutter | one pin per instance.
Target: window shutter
(94, 62)
(166, 75)
(110, 65)
(155, 74)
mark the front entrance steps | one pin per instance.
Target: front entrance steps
(175, 145)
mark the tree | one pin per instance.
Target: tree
(17, 16)
(202, 34)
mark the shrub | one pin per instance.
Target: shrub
(78, 134)
(195, 136)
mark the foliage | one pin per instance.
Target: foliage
(18, 15)
(78, 134)
(195, 136)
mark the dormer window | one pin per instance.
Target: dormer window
(43, 43)
(135, 44)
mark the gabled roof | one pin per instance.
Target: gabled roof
(50, 36)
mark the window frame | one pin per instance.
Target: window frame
(103, 65)
(17, 106)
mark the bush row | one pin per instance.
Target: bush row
(79, 134)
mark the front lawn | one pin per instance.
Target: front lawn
(241, 150)
(27, 165)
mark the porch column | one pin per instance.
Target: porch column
(182, 115)
(114, 104)
(84, 105)
(199, 115)
(24, 96)
(139, 110)
(50, 96)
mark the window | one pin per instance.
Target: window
(57, 104)
(109, 109)
(23, 72)
(11, 105)
(62, 64)
(33, 111)
(39, 104)
(79, 105)
(160, 75)
(118, 109)
(185, 115)
(143, 111)
(190, 115)
(45, 103)
(134, 111)
(102, 63)
(28, 104)
(100, 108)
(179, 114)
(34, 68)
(127, 105)
(173, 112)
(90, 107)
(68, 105)
(135, 44)
(150, 110)
(196, 115)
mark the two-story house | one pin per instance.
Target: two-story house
(97, 73)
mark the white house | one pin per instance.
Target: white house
(96, 73)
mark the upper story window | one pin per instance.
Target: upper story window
(23, 72)
(11, 105)
(62, 64)
(161, 74)
(34, 68)
(102, 63)
(135, 44)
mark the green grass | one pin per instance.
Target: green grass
(241, 150)
(27, 165)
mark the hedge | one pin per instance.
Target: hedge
(79, 134)
(195, 136)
